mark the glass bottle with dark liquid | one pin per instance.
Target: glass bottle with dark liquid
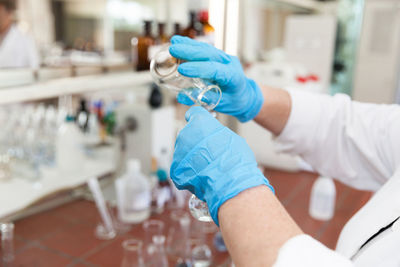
(144, 43)
(162, 38)
(191, 30)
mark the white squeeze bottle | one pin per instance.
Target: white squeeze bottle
(133, 194)
(69, 151)
(322, 200)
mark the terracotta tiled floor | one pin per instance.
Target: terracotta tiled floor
(65, 236)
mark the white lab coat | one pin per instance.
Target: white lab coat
(18, 50)
(359, 144)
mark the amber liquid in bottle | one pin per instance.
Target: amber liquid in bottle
(191, 30)
(177, 29)
(144, 43)
(203, 18)
(162, 38)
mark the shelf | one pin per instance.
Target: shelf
(17, 193)
(74, 85)
(309, 5)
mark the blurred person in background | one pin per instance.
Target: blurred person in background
(357, 143)
(17, 49)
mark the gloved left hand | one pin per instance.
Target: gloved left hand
(213, 162)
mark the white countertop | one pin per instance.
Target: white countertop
(17, 193)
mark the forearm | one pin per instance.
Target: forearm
(255, 226)
(275, 110)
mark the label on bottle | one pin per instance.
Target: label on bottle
(209, 38)
(141, 201)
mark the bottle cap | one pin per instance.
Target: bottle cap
(162, 175)
(203, 16)
(133, 165)
(69, 118)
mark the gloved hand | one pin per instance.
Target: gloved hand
(241, 97)
(213, 162)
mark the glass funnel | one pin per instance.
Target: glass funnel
(164, 70)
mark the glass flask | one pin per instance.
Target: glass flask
(158, 255)
(7, 243)
(151, 228)
(201, 256)
(164, 70)
(178, 241)
(132, 253)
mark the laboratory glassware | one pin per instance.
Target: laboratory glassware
(5, 170)
(7, 243)
(151, 228)
(164, 70)
(133, 194)
(69, 147)
(178, 243)
(158, 256)
(49, 135)
(105, 230)
(219, 242)
(201, 256)
(132, 253)
(144, 42)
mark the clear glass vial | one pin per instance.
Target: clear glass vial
(7, 243)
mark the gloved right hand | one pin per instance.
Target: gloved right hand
(241, 97)
(213, 162)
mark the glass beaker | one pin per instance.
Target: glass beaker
(132, 253)
(7, 243)
(164, 70)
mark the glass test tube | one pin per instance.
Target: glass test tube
(7, 242)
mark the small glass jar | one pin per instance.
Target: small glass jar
(164, 70)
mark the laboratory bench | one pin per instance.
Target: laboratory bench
(64, 236)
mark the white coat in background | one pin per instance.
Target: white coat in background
(18, 50)
(359, 144)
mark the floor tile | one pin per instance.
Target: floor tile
(75, 240)
(82, 211)
(35, 256)
(110, 255)
(40, 226)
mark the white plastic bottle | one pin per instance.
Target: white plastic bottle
(69, 151)
(133, 194)
(322, 200)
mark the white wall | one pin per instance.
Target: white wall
(376, 75)
(36, 17)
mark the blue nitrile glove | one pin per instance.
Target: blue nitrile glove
(241, 97)
(213, 162)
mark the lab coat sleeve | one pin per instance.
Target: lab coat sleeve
(354, 142)
(304, 251)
